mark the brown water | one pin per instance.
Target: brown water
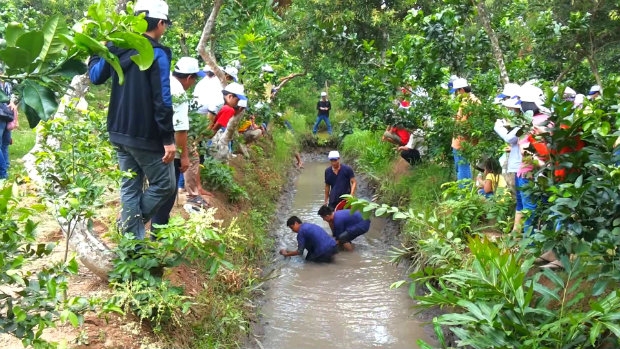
(346, 304)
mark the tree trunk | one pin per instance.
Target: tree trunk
(594, 69)
(495, 48)
(206, 39)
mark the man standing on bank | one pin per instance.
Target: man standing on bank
(345, 226)
(339, 180)
(321, 247)
(140, 121)
(323, 107)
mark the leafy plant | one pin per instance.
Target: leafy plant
(33, 298)
(219, 176)
(138, 269)
(499, 303)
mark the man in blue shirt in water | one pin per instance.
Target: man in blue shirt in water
(321, 247)
(339, 180)
(345, 225)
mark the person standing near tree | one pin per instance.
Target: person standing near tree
(323, 107)
(184, 76)
(140, 121)
(339, 180)
(8, 121)
(462, 89)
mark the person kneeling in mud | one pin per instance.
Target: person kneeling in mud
(321, 247)
(345, 226)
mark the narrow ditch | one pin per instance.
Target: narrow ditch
(346, 304)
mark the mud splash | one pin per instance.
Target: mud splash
(347, 304)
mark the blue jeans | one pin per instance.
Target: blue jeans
(463, 169)
(5, 140)
(139, 205)
(320, 118)
(525, 202)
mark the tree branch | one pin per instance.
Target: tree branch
(205, 41)
(285, 80)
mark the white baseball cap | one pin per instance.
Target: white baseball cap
(333, 155)
(232, 71)
(459, 83)
(188, 65)
(510, 90)
(323, 94)
(152, 8)
(594, 89)
(236, 89)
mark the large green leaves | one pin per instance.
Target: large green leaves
(145, 56)
(39, 101)
(94, 47)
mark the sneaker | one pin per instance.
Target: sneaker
(198, 201)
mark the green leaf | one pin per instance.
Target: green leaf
(613, 327)
(145, 56)
(41, 99)
(15, 57)
(54, 25)
(31, 42)
(94, 47)
(545, 292)
(397, 284)
(12, 33)
(579, 182)
(595, 331)
(599, 287)
(400, 215)
(72, 67)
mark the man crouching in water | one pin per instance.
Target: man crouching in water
(321, 247)
(346, 226)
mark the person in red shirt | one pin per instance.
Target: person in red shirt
(396, 135)
(233, 93)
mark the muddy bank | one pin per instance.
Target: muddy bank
(347, 304)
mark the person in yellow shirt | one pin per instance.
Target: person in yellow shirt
(491, 179)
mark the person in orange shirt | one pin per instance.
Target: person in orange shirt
(462, 89)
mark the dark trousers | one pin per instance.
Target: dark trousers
(162, 216)
(412, 156)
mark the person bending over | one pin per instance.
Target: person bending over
(321, 247)
(346, 226)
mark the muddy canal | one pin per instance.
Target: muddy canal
(347, 304)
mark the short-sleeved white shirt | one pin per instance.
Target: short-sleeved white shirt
(180, 105)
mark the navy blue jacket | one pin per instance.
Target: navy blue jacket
(140, 110)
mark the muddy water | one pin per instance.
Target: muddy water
(347, 304)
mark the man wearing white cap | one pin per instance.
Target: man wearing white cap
(339, 180)
(594, 93)
(323, 107)
(140, 121)
(183, 77)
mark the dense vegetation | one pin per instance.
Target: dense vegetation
(363, 52)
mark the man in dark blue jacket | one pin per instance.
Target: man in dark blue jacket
(345, 225)
(140, 121)
(321, 247)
